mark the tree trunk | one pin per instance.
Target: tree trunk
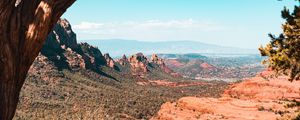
(24, 26)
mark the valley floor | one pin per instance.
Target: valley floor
(88, 95)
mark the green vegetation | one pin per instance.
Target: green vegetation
(284, 51)
(87, 95)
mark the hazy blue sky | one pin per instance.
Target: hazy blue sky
(239, 23)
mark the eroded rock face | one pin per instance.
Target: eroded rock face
(61, 47)
(64, 30)
(74, 60)
(139, 63)
(61, 35)
(123, 61)
(255, 99)
(110, 62)
(262, 88)
(92, 56)
(192, 108)
(159, 61)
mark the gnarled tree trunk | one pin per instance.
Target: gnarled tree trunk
(24, 26)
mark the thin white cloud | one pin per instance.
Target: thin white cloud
(88, 26)
(172, 24)
(181, 24)
(188, 29)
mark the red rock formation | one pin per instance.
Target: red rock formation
(62, 48)
(207, 66)
(61, 35)
(192, 108)
(74, 60)
(139, 64)
(65, 34)
(160, 62)
(92, 56)
(110, 62)
(255, 99)
(155, 59)
(123, 61)
(259, 88)
(173, 63)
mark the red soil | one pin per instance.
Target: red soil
(206, 66)
(171, 84)
(253, 99)
(174, 62)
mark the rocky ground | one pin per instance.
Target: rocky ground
(87, 95)
(255, 99)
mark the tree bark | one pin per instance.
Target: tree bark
(24, 26)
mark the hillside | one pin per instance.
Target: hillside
(257, 98)
(71, 80)
(198, 66)
(118, 47)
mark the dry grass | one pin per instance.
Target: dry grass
(86, 95)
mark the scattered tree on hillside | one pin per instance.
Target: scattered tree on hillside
(283, 52)
(24, 26)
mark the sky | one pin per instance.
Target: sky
(234, 23)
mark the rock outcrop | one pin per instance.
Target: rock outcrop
(110, 62)
(139, 64)
(62, 49)
(61, 35)
(159, 61)
(74, 60)
(255, 99)
(92, 56)
(123, 61)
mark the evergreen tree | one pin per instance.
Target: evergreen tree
(283, 52)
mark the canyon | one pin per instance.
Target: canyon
(71, 80)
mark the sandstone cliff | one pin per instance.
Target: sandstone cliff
(110, 62)
(139, 64)
(123, 61)
(142, 66)
(61, 47)
(162, 65)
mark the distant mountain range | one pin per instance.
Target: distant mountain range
(118, 47)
